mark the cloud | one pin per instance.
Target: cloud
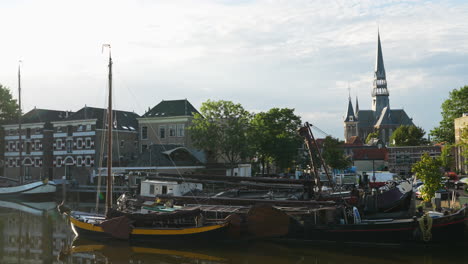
(262, 54)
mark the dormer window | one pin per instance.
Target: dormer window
(351, 118)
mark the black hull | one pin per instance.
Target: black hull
(444, 229)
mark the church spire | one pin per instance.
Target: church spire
(350, 114)
(380, 80)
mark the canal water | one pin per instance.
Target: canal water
(34, 232)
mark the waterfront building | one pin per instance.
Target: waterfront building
(166, 123)
(37, 140)
(401, 159)
(79, 142)
(461, 162)
(381, 117)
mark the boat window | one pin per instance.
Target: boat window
(164, 189)
(151, 190)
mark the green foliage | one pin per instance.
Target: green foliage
(452, 108)
(446, 157)
(408, 136)
(372, 135)
(428, 170)
(274, 136)
(9, 111)
(333, 154)
(9, 108)
(463, 144)
(222, 130)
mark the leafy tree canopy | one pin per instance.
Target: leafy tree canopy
(222, 130)
(9, 108)
(333, 154)
(372, 135)
(274, 136)
(452, 108)
(428, 170)
(408, 136)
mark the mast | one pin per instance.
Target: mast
(109, 138)
(20, 149)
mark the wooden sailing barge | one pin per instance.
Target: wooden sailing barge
(180, 225)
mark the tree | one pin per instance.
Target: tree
(372, 135)
(333, 154)
(428, 169)
(446, 157)
(274, 137)
(408, 136)
(452, 108)
(222, 131)
(9, 111)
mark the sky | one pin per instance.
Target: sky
(259, 53)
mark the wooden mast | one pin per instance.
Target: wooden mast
(20, 149)
(109, 138)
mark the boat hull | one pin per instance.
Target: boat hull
(444, 229)
(33, 189)
(204, 233)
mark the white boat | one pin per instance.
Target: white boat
(37, 188)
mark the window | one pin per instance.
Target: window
(88, 127)
(172, 130)
(68, 174)
(28, 132)
(80, 128)
(37, 162)
(38, 131)
(37, 145)
(69, 146)
(18, 146)
(58, 144)
(162, 131)
(59, 162)
(79, 161)
(351, 118)
(28, 147)
(11, 132)
(144, 147)
(144, 132)
(88, 142)
(11, 146)
(59, 129)
(27, 172)
(10, 162)
(151, 190)
(136, 143)
(181, 130)
(69, 131)
(79, 143)
(122, 143)
(88, 161)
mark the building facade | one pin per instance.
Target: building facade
(37, 144)
(460, 160)
(401, 159)
(381, 117)
(166, 123)
(80, 143)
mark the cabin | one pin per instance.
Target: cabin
(152, 188)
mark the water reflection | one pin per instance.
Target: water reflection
(36, 233)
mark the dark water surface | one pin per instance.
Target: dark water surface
(36, 233)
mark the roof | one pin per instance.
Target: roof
(354, 140)
(370, 154)
(399, 116)
(350, 112)
(125, 120)
(166, 155)
(385, 117)
(379, 64)
(172, 108)
(366, 118)
(42, 116)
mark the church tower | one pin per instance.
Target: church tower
(379, 93)
(350, 123)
